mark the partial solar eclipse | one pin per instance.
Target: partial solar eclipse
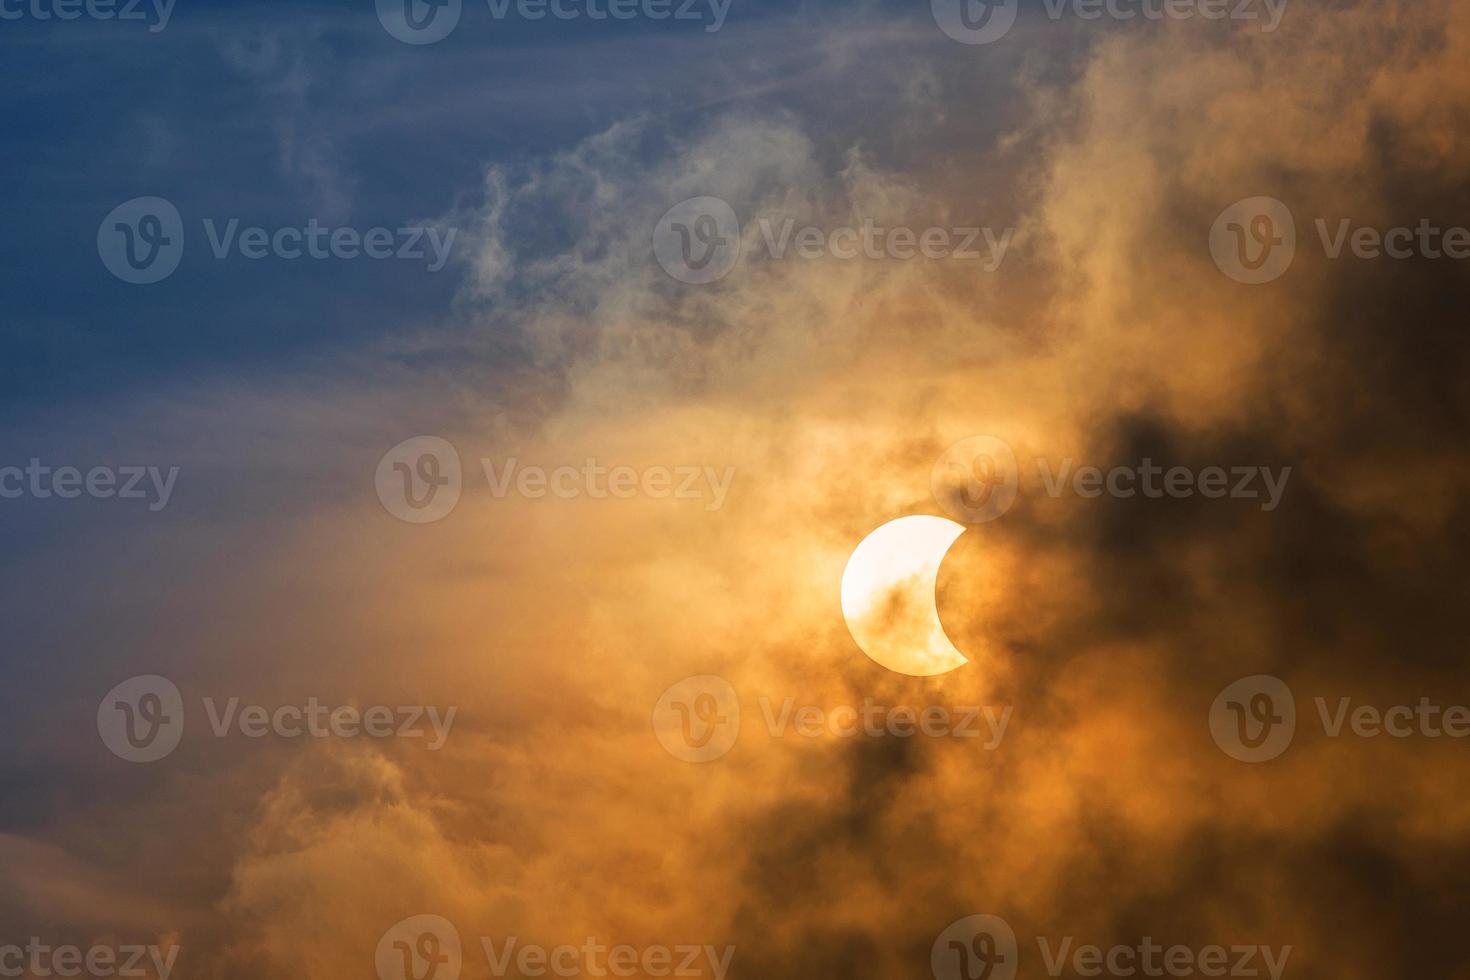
(888, 595)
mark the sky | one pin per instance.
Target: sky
(566, 488)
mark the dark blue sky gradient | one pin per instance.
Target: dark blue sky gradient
(280, 112)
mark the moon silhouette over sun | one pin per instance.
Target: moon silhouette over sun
(888, 595)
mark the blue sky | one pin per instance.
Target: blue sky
(280, 112)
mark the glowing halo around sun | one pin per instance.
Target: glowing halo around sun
(888, 595)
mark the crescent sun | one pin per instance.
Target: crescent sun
(888, 595)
